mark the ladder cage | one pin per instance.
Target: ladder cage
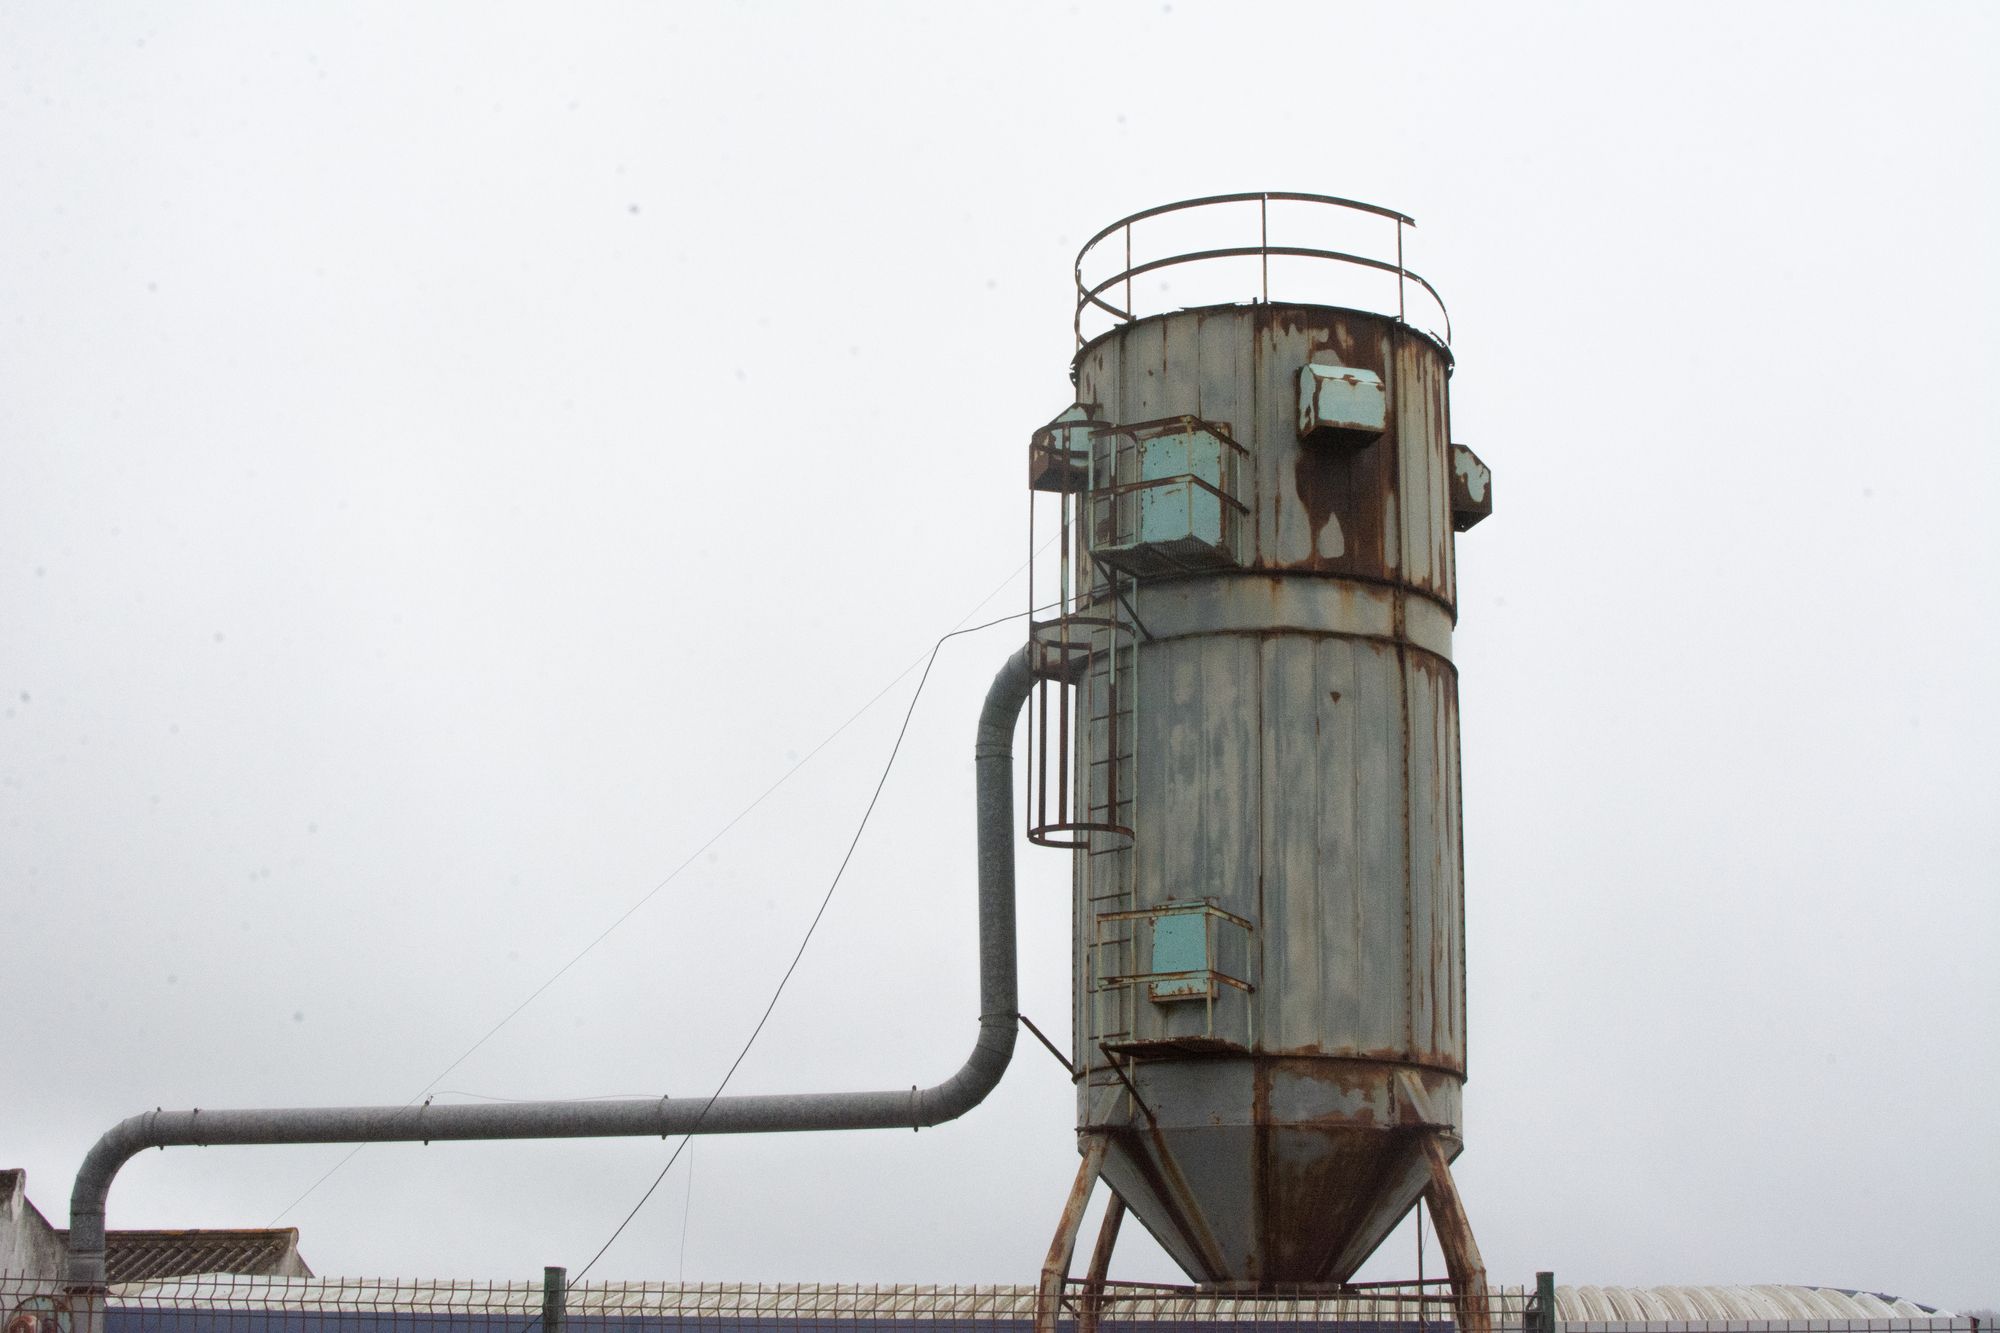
(1081, 638)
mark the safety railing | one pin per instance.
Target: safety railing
(1266, 227)
(229, 1304)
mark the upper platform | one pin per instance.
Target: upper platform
(1238, 249)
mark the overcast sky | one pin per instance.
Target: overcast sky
(457, 457)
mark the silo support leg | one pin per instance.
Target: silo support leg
(1092, 1304)
(1055, 1269)
(1454, 1234)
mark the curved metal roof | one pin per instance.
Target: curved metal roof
(1713, 1304)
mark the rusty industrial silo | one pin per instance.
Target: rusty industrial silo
(1248, 733)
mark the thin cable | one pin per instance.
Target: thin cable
(800, 953)
(672, 875)
(602, 935)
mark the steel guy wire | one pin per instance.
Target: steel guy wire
(427, 1090)
(825, 901)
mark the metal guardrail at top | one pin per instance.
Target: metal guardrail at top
(221, 1303)
(1097, 296)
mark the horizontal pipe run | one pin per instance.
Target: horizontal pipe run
(911, 1108)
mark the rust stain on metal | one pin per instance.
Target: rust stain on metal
(1342, 490)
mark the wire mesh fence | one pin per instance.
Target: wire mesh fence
(233, 1304)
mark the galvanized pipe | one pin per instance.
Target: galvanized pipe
(911, 1108)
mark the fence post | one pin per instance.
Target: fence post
(1545, 1302)
(555, 1285)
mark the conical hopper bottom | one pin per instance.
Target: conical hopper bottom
(1234, 1204)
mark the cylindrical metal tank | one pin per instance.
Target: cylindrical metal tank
(1270, 953)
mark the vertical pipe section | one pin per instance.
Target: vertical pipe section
(907, 1108)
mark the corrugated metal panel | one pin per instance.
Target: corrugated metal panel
(1626, 1305)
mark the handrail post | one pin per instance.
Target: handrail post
(1401, 284)
(1264, 241)
(1128, 270)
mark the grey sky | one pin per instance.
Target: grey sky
(455, 458)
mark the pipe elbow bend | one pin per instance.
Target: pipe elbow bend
(115, 1147)
(976, 1078)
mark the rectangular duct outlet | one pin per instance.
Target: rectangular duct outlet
(1471, 488)
(1171, 978)
(1180, 945)
(1059, 453)
(1165, 498)
(1341, 405)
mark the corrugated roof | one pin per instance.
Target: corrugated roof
(1626, 1305)
(152, 1256)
